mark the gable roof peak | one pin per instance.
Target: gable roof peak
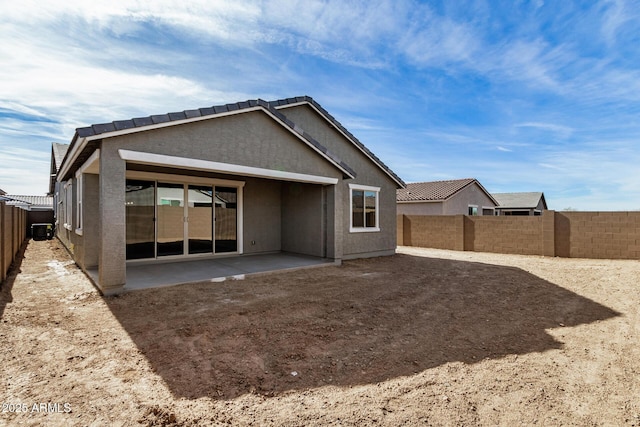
(290, 102)
(526, 200)
(436, 191)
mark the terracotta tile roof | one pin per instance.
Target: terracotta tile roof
(433, 190)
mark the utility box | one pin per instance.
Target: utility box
(42, 231)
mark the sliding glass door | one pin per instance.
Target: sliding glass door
(140, 215)
(200, 215)
(172, 219)
(226, 219)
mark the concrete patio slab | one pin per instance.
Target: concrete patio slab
(153, 275)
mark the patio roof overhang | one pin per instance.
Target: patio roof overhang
(175, 162)
(152, 159)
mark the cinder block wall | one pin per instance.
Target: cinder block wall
(437, 231)
(612, 235)
(400, 228)
(13, 232)
(504, 234)
(606, 235)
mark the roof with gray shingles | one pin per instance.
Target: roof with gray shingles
(272, 107)
(519, 200)
(337, 124)
(59, 151)
(43, 201)
(433, 191)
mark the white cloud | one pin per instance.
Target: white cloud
(75, 63)
(560, 130)
(617, 15)
(438, 41)
(16, 178)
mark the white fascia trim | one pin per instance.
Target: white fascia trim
(209, 166)
(297, 132)
(79, 147)
(95, 156)
(296, 104)
(76, 150)
(171, 123)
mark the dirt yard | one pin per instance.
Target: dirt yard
(426, 337)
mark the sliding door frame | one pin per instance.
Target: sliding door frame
(185, 181)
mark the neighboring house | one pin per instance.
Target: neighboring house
(40, 208)
(236, 179)
(29, 203)
(2, 192)
(451, 197)
(58, 151)
(520, 203)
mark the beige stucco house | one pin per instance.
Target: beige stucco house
(527, 204)
(230, 180)
(450, 197)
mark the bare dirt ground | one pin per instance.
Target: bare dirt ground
(427, 337)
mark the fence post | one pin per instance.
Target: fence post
(407, 239)
(460, 233)
(549, 233)
(3, 236)
(400, 230)
(14, 229)
(24, 227)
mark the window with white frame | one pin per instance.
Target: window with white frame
(364, 207)
(68, 204)
(79, 204)
(473, 210)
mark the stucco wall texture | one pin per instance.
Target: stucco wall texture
(277, 215)
(458, 204)
(354, 244)
(598, 235)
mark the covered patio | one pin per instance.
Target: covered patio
(152, 275)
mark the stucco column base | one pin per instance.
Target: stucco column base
(112, 290)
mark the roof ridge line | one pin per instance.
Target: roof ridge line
(341, 128)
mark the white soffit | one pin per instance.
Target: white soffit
(228, 168)
(91, 165)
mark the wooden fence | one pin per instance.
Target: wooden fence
(13, 232)
(608, 235)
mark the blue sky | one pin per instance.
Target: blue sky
(522, 95)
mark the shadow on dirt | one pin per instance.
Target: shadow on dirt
(7, 285)
(364, 322)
